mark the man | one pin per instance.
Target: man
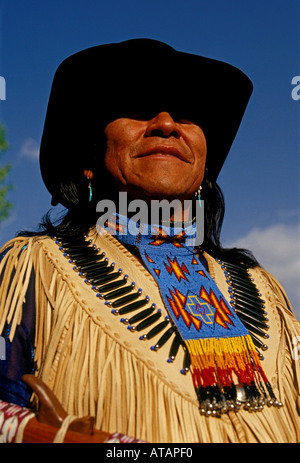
(154, 337)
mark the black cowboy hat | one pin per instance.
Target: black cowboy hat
(137, 77)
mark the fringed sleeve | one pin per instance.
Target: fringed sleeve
(17, 325)
(288, 360)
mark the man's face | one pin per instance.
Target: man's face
(159, 158)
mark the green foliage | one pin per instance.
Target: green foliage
(5, 205)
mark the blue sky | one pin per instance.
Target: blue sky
(260, 180)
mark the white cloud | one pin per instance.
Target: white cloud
(277, 248)
(30, 149)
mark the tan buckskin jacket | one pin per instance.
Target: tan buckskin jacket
(97, 367)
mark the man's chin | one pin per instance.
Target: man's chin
(158, 194)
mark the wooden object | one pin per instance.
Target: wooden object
(50, 416)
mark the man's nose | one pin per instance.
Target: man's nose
(162, 125)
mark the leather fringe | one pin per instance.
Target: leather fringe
(117, 388)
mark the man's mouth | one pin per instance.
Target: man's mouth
(163, 151)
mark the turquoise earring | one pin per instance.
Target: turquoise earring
(198, 195)
(90, 190)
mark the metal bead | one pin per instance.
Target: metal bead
(237, 405)
(247, 405)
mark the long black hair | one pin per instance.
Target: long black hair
(81, 215)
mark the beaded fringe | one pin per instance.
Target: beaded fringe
(85, 383)
(216, 363)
